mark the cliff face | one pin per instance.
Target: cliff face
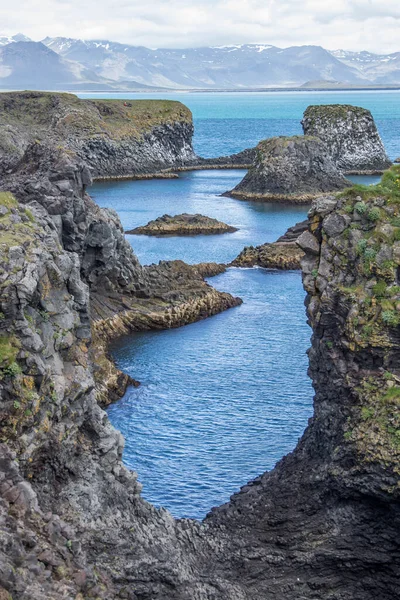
(350, 135)
(293, 169)
(113, 137)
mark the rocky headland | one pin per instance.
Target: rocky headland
(290, 169)
(114, 138)
(284, 254)
(323, 524)
(183, 224)
(350, 135)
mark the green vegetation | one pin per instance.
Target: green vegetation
(334, 111)
(374, 214)
(8, 351)
(360, 207)
(388, 188)
(8, 200)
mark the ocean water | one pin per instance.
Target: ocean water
(222, 400)
(137, 202)
(231, 121)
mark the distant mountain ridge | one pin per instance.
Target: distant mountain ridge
(68, 63)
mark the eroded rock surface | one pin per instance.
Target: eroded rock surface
(285, 253)
(183, 224)
(350, 135)
(114, 138)
(290, 169)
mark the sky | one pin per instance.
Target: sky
(372, 25)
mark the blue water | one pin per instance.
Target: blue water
(229, 122)
(223, 399)
(137, 202)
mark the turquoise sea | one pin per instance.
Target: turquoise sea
(222, 400)
(231, 121)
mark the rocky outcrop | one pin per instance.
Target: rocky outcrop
(350, 135)
(114, 138)
(397, 160)
(183, 224)
(285, 253)
(290, 169)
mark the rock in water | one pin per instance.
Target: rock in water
(285, 253)
(183, 224)
(293, 169)
(350, 135)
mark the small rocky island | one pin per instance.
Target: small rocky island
(290, 169)
(350, 136)
(183, 224)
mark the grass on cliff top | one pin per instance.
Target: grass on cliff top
(283, 141)
(88, 117)
(388, 187)
(333, 111)
(142, 114)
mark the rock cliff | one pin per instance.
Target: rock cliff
(290, 169)
(350, 135)
(114, 138)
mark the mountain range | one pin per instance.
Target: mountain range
(70, 64)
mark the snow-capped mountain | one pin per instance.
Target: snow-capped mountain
(68, 63)
(379, 68)
(237, 66)
(19, 37)
(32, 65)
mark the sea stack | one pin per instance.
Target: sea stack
(350, 135)
(290, 169)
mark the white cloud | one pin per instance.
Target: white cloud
(349, 24)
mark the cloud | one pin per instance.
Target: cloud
(349, 24)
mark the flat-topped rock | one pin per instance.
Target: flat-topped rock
(183, 224)
(290, 169)
(350, 135)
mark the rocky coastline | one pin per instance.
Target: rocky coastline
(323, 524)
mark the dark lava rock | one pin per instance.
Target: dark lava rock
(293, 169)
(350, 135)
